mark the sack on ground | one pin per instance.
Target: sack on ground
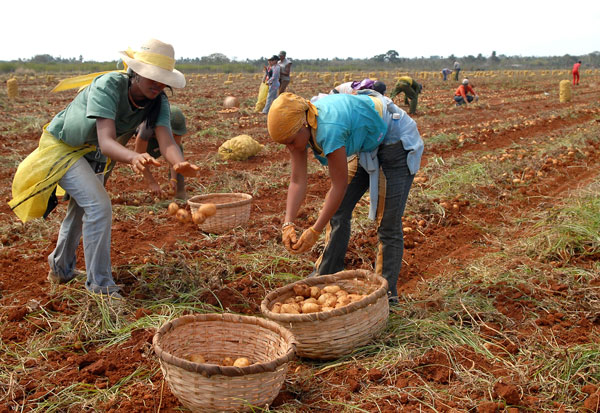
(239, 148)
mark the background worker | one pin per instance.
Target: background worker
(445, 73)
(456, 70)
(84, 138)
(285, 66)
(146, 141)
(272, 81)
(335, 127)
(411, 89)
(465, 94)
(576, 67)
(351, 88)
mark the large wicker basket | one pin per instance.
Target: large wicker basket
(207, 387)
(233, 210)
(329, 335)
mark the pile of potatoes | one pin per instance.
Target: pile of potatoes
(199, 216)
(314, 299)
(227, 361)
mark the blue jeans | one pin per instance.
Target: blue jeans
(89, 213)
(273, 91)
(460, 101)
(393, 194)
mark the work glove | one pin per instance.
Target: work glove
(306, 241)
(288, 236)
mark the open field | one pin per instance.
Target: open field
(500, 288)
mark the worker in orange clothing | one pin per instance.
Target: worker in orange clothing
(462, 96)
(576, 72)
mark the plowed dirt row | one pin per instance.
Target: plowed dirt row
(444, 244)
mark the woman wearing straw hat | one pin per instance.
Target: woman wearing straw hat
(336, 126)
(76, 147)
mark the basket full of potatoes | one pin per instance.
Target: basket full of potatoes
(331, 315)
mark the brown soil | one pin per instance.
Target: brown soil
(521, 113)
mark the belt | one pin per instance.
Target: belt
(98, 167)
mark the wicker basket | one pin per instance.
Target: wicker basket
(208, 387)
(233, 210)
(329, 335)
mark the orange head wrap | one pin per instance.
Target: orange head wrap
(288, 114)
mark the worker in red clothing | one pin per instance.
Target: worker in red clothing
(462, 96)
(576, 72)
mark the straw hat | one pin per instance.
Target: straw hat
(155, 60)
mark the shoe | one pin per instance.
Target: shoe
(56, 279)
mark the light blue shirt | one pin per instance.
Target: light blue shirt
(349, 121)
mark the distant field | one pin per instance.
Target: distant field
(500, 285)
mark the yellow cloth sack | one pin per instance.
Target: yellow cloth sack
(38, 174)
(261, 101)
(564, 91)
(239, 148)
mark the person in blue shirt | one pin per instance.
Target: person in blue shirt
(446, 72)
(383, 138)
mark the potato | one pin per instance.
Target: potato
(344, 300)
(310, 308)
(182, 215)
(241, 362)
(172, 208)
(341, 293)
(331, 302)
(197, 358)
(302, 289)
(326, 309)
(290, 309)
(331, 289)
(276, 308)
(290, 300)
(227, 361)
(311, 300)
(208, 209)
(198, 217)
(324, 297)
(355, 297)
(315, 292)
(298, 298)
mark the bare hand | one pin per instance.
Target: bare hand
(156, 190)
(186, 169)
(141, 160)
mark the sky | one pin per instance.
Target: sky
(242, 29)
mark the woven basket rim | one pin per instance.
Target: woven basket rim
(325, 315)
(196, 200)
(209, 370)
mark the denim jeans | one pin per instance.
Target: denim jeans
(393, 196)
(460, 101)
(273, 90)
(89, 213)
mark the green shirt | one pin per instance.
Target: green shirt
(106, 97)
